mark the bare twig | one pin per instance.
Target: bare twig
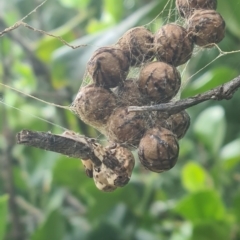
(17, 24)
(78, 147)
(222, 92)
(51, 35)
(22, 23)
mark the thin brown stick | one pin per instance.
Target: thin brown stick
(222, 92)
(79, 147)
(17, 24)
(22, 23)
(51, 35)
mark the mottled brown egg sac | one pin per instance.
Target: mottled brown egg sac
(158, 150)
(108, 67)
(159, 81)
(88, 166)
(206, 27)
(186, 7)
(173, 45)
(179, 123)
(115, 170)
(125, 127)
(127, 162)
(137, 43)
(129, 94)
(94, 105)
(159, 120)
(101, 180)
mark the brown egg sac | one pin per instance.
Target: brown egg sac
(159, 81)
(173, 45)
(179, 123)
(108, 66)
(94, 105)
(158, 150)
(88, 166)
(129, 94)
(159, 120)
(125, 127)
(186, 7)
(137, 43)
(206, 27)
(115, 170)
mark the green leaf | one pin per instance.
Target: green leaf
(3, 214)
(209, 80)
(105, 230)
(114, 8)
(75, 3)
(201, 206)
(69, 172)
(194, 177)
(230, 12)
(186, 147)
(142, 234)
(210, 231)
(46, 45)
(230, 154)
(210, 128)
(53, 228)
(236, 207)
(109, 200)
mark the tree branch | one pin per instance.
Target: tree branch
(224, 91)
(68, 144)
(77, 146)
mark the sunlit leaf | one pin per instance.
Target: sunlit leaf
(75, 3)
(98, 26)
(114, 8)
(201, 206)
(194, 177)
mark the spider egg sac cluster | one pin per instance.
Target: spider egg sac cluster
(104, 103)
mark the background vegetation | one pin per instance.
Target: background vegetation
(44, 195)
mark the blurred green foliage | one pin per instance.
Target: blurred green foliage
(49, 195)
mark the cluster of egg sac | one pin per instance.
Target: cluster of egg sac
(104, 103)
(204, 24)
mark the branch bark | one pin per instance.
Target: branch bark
(225, 91)
(69, 144)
